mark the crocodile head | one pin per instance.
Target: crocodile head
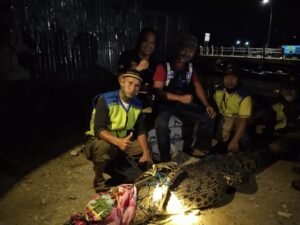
(153, 190)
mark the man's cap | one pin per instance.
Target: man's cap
(188, 40)
(231, 69)
(131, 73)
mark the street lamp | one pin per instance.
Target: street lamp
(238, 42)
(265, 2)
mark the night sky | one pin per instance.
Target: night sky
(229, 20)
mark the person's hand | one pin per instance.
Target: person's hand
(125, 143)
(186, 99)
(144, 64)
(233, 146)
(146, 157)
(211, 112)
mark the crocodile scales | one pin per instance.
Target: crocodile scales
(199, 184)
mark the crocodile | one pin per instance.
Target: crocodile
(197, 184)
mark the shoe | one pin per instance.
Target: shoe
(101, 186)
(198, 152)
(147, 110)
(77, 150)
(296, 184)
(214, 142)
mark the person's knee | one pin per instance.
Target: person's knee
(102, 155)
(135, 151)
(99, 151)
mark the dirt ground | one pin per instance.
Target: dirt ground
(47, 190)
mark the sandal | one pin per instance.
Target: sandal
(198, 152)
(296, 184)
(100, 185)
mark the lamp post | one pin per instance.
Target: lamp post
(264, 2)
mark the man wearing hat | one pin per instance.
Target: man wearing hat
(235, 108)
(116, 128)
(287, 124)
(176, 84)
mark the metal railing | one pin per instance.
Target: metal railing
(246, 52)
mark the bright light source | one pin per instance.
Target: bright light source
(265, 2)
(159, 193)
(268, 2)
(191, 218)
(175, 206)
(238, 42)
(247, 43)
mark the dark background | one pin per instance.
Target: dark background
(230, 20)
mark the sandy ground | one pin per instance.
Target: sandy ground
(59, 187)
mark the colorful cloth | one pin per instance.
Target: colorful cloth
(115, 207)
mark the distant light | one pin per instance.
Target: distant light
(265, 2)
(238, 42)
(295, 37)
(247, 43)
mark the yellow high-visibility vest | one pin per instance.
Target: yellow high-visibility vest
(121, 120)
(281, 120)
(235, 104)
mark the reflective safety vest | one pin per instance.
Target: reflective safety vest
(178, 81)
(281, 120)
(121, 120)
(230, 104)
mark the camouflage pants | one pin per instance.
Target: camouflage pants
(225, 129)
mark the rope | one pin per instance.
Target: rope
(158, 179)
